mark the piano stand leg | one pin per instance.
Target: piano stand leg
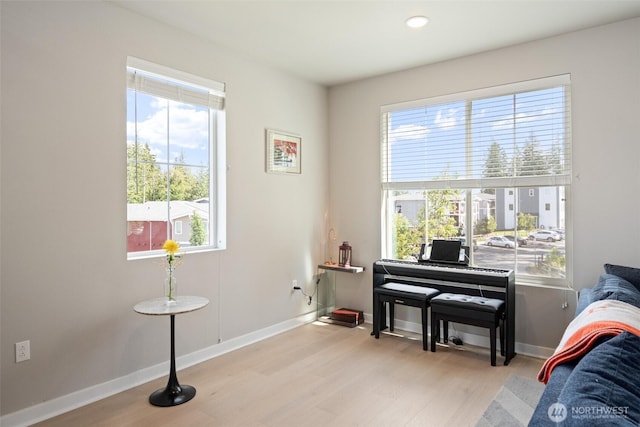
(445, 331)
(380, 316)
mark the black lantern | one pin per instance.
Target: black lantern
(344, 255)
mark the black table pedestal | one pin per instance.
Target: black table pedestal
(173, 394)
(169, 397)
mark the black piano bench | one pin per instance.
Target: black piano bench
(470, 310)
(401, 293)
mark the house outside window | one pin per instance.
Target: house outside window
(176, 186)
(469, 166)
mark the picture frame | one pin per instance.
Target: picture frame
(283, 152)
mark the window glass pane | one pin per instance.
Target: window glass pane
(417, 148)
(189, 134)
(516, 135)
(492, 171)
(421, 216)
(529, 241)
(168, 172)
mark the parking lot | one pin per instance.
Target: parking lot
(496, 257)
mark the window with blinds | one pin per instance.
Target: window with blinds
(490, 167)
(175, 160)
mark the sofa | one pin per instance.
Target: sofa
(593, 377)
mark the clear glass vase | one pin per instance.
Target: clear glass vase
(170, 285)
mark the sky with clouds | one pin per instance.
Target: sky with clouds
(173, 130)
(425, 141)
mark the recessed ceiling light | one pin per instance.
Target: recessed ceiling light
(417, 21)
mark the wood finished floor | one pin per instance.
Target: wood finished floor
(321, 375)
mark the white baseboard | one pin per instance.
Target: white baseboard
(69, 402)
(477, 340)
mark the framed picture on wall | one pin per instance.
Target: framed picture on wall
(284, 153)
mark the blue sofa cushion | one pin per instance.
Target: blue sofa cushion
(613, 287)
(603, 389)
(629, 274)
(585, 297)
(561, 373)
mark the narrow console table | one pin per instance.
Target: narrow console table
(173, 394)
(326, 299)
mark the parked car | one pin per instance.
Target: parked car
(548, 235)
(521, 241)
(559, 232)
(500, 241)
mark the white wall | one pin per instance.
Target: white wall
(604, 64)
(65, 282)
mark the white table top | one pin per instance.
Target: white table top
(161, 307)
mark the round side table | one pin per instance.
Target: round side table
(173, 394)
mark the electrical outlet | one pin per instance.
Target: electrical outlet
(23, 351)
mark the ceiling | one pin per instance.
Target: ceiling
(332, 42)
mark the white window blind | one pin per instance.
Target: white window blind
(501, 137)
(154, 79)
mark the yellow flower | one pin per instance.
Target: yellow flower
(171, 247)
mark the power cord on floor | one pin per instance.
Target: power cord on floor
(315, 290)
(455, 338)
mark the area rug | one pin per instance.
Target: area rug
(514, 404)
